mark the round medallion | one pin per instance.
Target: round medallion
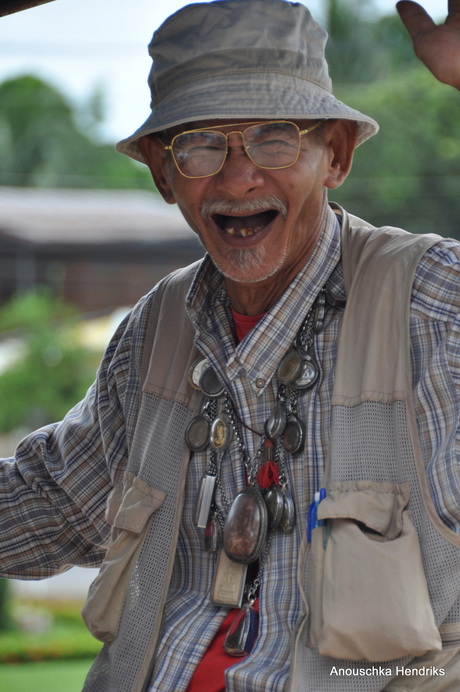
(196, 370)
(308, 376)
(290, 367)
(221, 434)
(276, 422)
(210, 383)
(245, 528)
(197, 433)
(274, 502)
(288, 517)
(294, 435)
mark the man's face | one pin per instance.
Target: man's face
(259, 225)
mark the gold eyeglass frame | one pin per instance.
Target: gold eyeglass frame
(169, 147)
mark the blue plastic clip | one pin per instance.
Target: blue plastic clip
(313, 521)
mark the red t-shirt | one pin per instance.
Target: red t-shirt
(209, 675)
(244, 323)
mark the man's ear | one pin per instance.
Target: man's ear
(340, 137)
(154, 155)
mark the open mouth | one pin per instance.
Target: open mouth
(244, 226)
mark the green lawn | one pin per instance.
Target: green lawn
(58, 676)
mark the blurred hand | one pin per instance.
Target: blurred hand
(438, 47)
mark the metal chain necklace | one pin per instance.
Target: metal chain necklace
(240, 531)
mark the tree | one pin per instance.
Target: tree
(362, 47)
(349, 50)
(409, 173)
(6, 621)
(52, 372)
(42, 146)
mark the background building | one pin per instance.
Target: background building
(97, 249)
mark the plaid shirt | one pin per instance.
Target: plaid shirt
(191, 621)
(53, 494)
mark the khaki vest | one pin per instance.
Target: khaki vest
(375, 479)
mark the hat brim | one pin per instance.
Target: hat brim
(246, 96)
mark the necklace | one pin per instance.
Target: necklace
(240, 531)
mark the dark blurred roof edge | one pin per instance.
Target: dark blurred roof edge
(11, 6)
(42, 216)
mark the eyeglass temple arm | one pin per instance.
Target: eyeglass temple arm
(310, 129)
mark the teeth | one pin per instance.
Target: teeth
(244, 232)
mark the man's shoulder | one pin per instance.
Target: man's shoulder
(429, 261)
(380, 255)
(181, 278)
(173, 287)
(436, 287)
(176, 283)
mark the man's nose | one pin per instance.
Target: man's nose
(239, 174)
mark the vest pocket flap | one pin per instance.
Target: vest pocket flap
(138, 504)
(377, 506)
(131, 505)
(113, 503)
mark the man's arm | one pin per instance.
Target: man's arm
(53, 493)
(438, 47)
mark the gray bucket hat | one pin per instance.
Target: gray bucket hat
(227, 59)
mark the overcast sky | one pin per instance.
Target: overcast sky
(80, 44)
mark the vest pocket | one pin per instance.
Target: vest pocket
(369, 598)
(129, 508)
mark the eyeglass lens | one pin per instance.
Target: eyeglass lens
(269, 145)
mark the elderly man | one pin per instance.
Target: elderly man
(266, 465)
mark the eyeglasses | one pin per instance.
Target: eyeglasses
(273, 145)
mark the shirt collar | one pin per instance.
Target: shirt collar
(260, 352)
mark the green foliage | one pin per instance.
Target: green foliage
(363, 49)
(67, 676)
(53, 371)
(409, 174)
(32, 310)
(6, 621)
(42, 146)
(64, 635)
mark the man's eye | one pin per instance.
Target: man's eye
(271, 145)
(204, 150)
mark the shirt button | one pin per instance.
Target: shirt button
(260, 382)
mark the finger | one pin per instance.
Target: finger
(453, 12)
(416, 20)
(453, 6)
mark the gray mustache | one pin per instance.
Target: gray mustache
(249, 206)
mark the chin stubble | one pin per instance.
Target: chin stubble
(250, 260)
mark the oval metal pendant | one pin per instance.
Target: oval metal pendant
(210, 383)
(221, 434)
(197, 433)
(196, 370)
(213, 535)
(294, 435)
(276, 422)
(274, 502)
(290, 367)
(288, 517)
(245, 528)
(308, 375)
